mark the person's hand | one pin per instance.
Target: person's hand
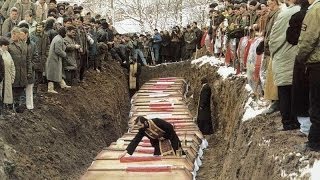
(77, 46)
(123, 154)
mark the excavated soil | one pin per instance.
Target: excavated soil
(254, 149)
(62, 135)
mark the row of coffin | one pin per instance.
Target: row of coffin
(159, 98)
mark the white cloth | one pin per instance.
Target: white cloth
(9, 76)
(305, 124)
(29, 96)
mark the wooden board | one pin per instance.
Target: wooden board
(132, 76)
(176, 174)
(107, 164)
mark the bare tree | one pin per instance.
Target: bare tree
(150, 14)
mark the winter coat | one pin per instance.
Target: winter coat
(22, 62)
(5, 9)
(72, 54)
(271, 18)
(41, 11)
(199, 34)
(156, 40)
(309, 43)
(33, 53)
(102, 35)
(165, 45)
(295, 25)
(93, 48)
(49, 28)
(54, 61)
(22, 8)
(204, 120)
(7, 26)
(190, 39)
(82, 40)
(282, 53)
(42, 43)
(9, 76)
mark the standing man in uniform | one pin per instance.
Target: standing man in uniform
(309, 53)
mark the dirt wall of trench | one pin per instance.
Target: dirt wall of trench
(62, 135)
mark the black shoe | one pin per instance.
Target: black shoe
(20, 109)
(289, 127)
(313, 146)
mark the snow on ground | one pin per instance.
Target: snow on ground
(223, 71)
(206, 59)
(304, 171)
(253, 107)
(315, 171)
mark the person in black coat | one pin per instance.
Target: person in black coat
(204, 120)
(300, 84)
(161, 134)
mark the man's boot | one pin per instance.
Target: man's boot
(51, 88)
(63, 84)
(274, 107)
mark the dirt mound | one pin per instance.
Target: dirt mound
(60, 138)
(254, 149)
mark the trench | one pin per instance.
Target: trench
(60, 138)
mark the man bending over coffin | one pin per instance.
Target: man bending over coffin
(161, 134)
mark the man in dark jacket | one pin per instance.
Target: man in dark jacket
(42, 42)
(161, 134)
(204, 111)
(190, 40)
(199, 34)
(22, 61)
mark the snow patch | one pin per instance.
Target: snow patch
(225, 72)
(248, 88)
(253, 109)
(315, 171)
(206, 59)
